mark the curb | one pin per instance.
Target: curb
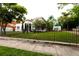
(40, 41)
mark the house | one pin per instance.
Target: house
(14, 26)
(27, 26)
(57, 28)
(10, 26)
(18, 27)
(76, 29)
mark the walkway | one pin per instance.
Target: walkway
(40, 47)
(74, 32)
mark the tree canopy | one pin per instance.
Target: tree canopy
(10, 11)
(70, 19)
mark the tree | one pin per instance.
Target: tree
(70, 19)
(63, 18)
(39, 24)
(75, 11)
(10, 11)
(66, 21)
(49, 23)
(62, 5)
(44, 24)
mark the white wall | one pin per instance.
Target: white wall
(18, 27)
(57, 28)
(8, 29)
(28, 22)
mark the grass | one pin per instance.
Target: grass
(6, 51)
(51, 36)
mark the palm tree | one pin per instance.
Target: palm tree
(49, 23)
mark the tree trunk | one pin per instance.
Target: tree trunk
(27, 28)
(4, 29)
(1, 29)
(23, 28)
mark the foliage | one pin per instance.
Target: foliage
(39, 24)
(44, 24)
(10, 11)
(70, 19)
(75, 10)
(7, 51)
(63, 20)
(50, 22)
(61, 5)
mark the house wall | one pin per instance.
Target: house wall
(57, 28)
(7, 29)
(18, 27)
(10, 26)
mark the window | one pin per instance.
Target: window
(18, 27)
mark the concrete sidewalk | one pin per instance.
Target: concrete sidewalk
(41, 41)
(54, 49)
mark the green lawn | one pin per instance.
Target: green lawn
(6, 51)
(52, 36)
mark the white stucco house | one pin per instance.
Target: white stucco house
(27, 25)
(57, 28)
(18, 27)
(76, 29)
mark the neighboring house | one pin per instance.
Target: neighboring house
(27, 26)
(76, 29)
(18, 27)
(39, 29)
(10, 26)
(57, 28)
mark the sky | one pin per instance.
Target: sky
(42, 8)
